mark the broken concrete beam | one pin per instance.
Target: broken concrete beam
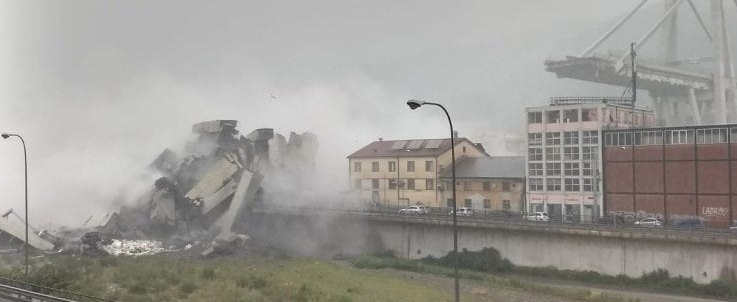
(166, 163)
(247, 188)
(215, 199)
(16, 227)
(215, 177)
(108, 223)
(262, 134)
(215, 126)
(277, 150)
(162, 208)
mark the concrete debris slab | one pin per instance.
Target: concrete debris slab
(15, 226)
(214, 179)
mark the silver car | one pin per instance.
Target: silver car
(649, 222)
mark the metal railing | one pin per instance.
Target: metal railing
(16, 290)
(575, 100)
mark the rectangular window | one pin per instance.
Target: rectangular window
(534, 117)
(590, 137)
(467, 186)
(357, 184)
(536, 184)
(590, 153)
(570, 153)
(570, 116)
(552, 117)
(375, 166)
(505, 187)
(375, 184)
(467, 203)
(392, 184)
(535, 154)
(589, 115)
(679, 137)
(429, 167)
(588, 185)
(553, 169)
(487, 185)
(649, 138)
(711, 136)
(552, 138)
(487, 204)
(534, 139)
(570, 138)
(410, 166)
(571, 169)
(536, 169)
(572, 185)
(552, 153)
(429, 184)
(587, 169)
(357, 167)
(392, 166)
(553, 184)
(506, 205)
(410, 184)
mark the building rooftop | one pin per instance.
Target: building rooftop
(488, 167)
(409, 148)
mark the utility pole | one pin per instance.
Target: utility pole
(634, 74)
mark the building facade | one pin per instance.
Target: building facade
(487, 183)
(404, 172)
(672, 173)
(563, 147)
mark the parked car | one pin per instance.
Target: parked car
(538, 216)
(649, 222)
(411, 210)
(462, 211)
(425, 209)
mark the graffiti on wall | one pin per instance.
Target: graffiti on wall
(714, 211)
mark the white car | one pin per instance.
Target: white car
(649, 222)
(462, 211)
(411, 210)
(425, 209)
(538, 216)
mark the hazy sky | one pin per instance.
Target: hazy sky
(99, 88)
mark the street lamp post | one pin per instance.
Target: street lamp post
(414, 104)
(25, 163)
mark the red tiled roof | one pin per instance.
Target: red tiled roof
(410, 148)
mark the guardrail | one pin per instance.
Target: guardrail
(441, 215)
(16, 290)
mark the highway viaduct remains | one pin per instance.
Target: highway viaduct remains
(605, 249)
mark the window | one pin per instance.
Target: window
(619, 139)
(571, 169)
(467, 203)
(375, 166)
(467, 186)
(428, 166)
(589, 115)
(392, 166)
(552, 153)
(553, 184)
(570, 138)
(552, 139)
(572, 185)
(449, 202)
(464, 149)
(733, 135)
(505, 187)
(570, 116)
(392, 184)
(506, 204)
(429, 184)
(649, 138)
(487, 204)
(536, 169)
(590, 137)
(410, 184)
(570, 153)
(552, 116)
(410, 166)
(487, 185)
(588, 185)
(535, 154)
(534, 139)
(534, 117)
(357, 184)
(711, 136)
(679, 136)
(375, 184)
(553, 169)
(590, 152)
(587, 169)
(357, 167)
(536, 184)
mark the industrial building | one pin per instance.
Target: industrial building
(563, 141)
(672, 173)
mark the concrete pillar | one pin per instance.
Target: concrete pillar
(719, 107)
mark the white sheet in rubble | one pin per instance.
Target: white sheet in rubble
(133, 247)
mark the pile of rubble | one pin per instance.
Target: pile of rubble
(202, 194)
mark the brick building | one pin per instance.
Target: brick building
(672, 173)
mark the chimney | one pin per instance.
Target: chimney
(455, 134)
(381, 139)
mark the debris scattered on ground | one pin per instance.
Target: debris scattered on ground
(133, 247)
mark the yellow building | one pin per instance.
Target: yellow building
(405, 172)
(487, 183)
